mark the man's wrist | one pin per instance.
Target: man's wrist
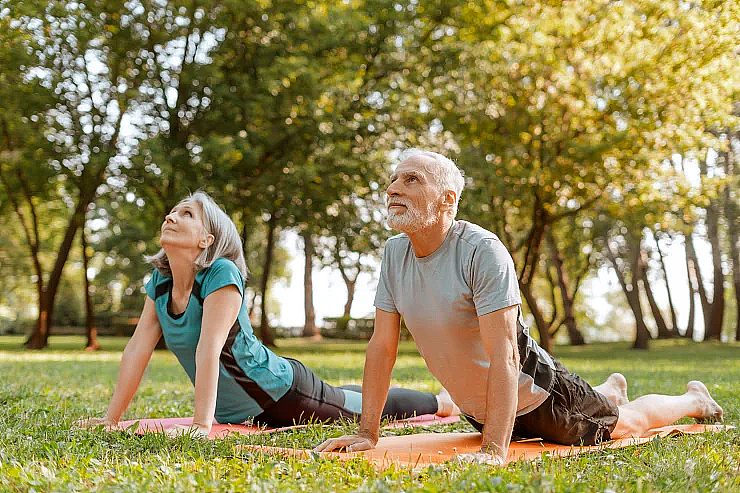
(365, 433)
(492, 449)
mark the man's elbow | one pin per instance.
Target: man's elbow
(509, 358)
(381, 347)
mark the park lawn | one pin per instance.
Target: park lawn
(42, 393)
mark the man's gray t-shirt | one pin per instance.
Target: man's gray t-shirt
(441, 296)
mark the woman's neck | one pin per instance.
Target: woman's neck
(183, 273)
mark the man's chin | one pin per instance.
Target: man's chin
(404, 227)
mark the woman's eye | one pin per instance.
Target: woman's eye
(188, 213)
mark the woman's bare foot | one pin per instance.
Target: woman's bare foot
(445, 405)
(709, 411)
(614, 389)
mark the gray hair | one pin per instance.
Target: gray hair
(226, 240)
(445, 172)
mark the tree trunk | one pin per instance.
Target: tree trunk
(265, 332)
(706, 306)
(92, 331)
(539, 319)
(33, 241)
(663, 331)
(575, 335)
(691, 273)
(39, 339)
(671, 305)
(529, 270)
(309, 328)
(732, 215)
(632, 293)
(349, 282)
(642, 334)
(350, 297)
(713, 330)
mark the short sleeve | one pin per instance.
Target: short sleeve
(151, 286)
(493, 278)
(383, 295)
(222, 272)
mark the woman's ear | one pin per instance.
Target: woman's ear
(207, 241)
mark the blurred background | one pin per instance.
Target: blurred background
(599, 140)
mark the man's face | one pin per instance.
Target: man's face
(413, 198)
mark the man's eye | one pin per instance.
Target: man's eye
(411, 178)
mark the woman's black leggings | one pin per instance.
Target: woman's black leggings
(310, 399)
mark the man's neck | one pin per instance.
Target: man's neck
(426, 241)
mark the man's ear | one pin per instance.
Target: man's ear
(448, 199)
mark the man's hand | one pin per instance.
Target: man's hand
(350, 443)
(188, 430)
(479, 458)
(95, 422)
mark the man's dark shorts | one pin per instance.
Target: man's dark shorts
(573, 414)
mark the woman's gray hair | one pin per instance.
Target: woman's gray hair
(226, 240)
(445, 172)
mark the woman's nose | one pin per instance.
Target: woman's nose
(169, 218)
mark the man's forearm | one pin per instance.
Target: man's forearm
(375, 383)
(500, 409)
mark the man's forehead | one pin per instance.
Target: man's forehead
(413, 164)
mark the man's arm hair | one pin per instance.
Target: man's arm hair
(498, 331)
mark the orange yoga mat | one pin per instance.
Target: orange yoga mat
(220, 431)
(421, 450)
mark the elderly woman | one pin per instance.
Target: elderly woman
(195, 298)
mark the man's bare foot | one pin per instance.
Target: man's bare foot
(614, 389)
(709, 411)
(445, 405)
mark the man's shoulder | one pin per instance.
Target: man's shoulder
(397, 243)
(473, 234)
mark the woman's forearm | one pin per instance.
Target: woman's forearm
(206, 386)
(133, 365)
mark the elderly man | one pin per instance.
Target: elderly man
(455, 285)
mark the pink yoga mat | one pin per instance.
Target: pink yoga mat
(220, 431)
(217, 431)
(421, 450)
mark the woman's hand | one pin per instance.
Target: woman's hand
(350, 443)
(188, 430)
(88, 423)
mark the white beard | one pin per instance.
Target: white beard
(411, 219)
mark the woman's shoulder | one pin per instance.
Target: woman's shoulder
(222, 264)
(220, 273)
(154, 287)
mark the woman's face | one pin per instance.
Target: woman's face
(183, 227)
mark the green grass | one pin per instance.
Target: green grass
(42, 393)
